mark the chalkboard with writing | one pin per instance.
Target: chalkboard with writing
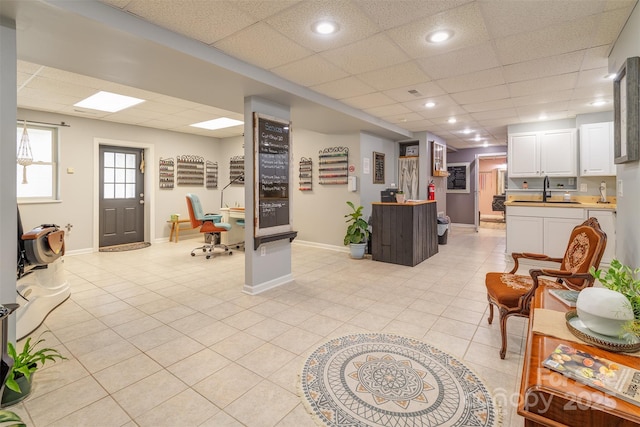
(458, 179)
(272, 165)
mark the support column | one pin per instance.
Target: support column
(8, 203)
(270, 265)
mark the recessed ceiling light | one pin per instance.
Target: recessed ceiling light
(610, 76)
(467, 131)
(598, 103)
(439, 36)
(109, 102)
(452, 120)
(486, 144)
(325, 27)
(221, 123)
(477, 138)
(430, 104)
(542, 116)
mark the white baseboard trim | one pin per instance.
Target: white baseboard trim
(321, 245)
(79, 252)
(255, 290)
(458, 224)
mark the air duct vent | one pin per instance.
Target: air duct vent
(415, 93)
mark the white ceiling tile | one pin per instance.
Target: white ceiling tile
(260, 9)
(418, 125)
(499, 104)
(388, 14)
(48, 95)
(500, 120)
(465, 21)
(480, 79)
(296, 22)
(370, 100)
(399, 75)
(537, 110)
(310, 71)
(207, 21)
(593, 77)
(254, 45)
(481, 95)
(425, 91)
(441, 117)
(544, 67)
(543, 97)
(475, 58)
(401, 119)
(583, 106)
(554, 83)
(366, 55)
(609, 26)
(68, 89)
(600, 90)
(388, 110)
(596, 57)
(550, 41)
(494, 114)
(344, 88)
(39, 104)
(505, 18)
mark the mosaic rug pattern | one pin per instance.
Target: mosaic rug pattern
(388, 380)
(125, 247)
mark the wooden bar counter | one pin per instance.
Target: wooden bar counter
(548, 398)
(404, 233)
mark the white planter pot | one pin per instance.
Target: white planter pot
(357, 250)
(603, 311)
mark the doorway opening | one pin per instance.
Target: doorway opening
(491, 186)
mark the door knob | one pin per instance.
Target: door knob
(141, 202)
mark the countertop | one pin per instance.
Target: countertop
(407, 203)
(584, 202)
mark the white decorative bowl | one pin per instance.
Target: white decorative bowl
(603, 311)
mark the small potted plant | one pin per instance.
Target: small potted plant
(400, 196)
(25, 363)
(357, 232)
(621, 278)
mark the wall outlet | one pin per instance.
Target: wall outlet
(619, 188)
(583, 188)
(263, 250)
(572, 181)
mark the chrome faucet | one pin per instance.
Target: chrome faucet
(545, 187)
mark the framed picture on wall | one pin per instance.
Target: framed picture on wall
(378, 168)
(626, 115)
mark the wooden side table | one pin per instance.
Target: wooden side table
(175, 228)
(548, 398)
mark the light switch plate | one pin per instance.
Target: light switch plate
(619, 188)
(572, 181)
(263, 251)
(583, 188)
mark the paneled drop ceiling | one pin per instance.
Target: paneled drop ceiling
(509, 61)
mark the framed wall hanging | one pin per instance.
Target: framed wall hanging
(378, 168)
(626, 115)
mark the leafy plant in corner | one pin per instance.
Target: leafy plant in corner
(621, 278)
(7, 417)
(358, 229)
(28, 360)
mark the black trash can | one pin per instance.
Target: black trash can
(443, 229)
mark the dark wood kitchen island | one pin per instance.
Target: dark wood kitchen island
(404, 233)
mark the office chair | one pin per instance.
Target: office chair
(209, 224)
(512, 293)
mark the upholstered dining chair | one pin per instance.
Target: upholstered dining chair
(209, 224)
(512, 293)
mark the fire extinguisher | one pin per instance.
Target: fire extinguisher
(431, 191)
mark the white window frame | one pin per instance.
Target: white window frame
(55, 157)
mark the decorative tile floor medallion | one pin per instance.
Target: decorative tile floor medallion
(390, 380)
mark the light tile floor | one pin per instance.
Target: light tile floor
(155, 337)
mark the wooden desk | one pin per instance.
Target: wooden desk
(548, 398)
(175, 228)
(404, 233)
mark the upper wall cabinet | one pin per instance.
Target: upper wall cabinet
(552, 153)
(596, 150)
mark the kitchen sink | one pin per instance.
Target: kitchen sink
(560, 202)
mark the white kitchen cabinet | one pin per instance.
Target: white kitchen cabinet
(607, 221)
(557, 232)
(524, 234)
(596, 150)
(544, 153)
(541, 230)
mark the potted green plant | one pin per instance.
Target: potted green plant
(400, 196)
(621, 278)
(357, 231)
(25, 363)
(10, 419)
